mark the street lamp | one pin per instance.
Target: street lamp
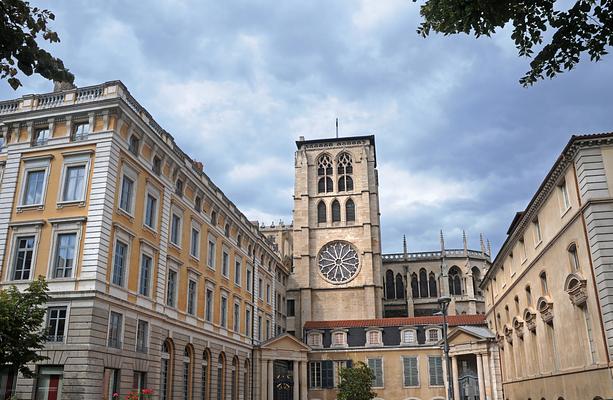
(443, 303)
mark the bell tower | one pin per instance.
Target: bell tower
(337, 238)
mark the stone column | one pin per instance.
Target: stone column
(270, 381)
(487, 384)
(493, 376)
(480, 377)
(297, 382)
(263, 369)
(455, 378)
(303, 380)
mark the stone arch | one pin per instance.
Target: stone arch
(432, 286)
(206, 373)
(423, 283)
(321, 212)
(455, 281)
(399, 286)
(389, 285)
(336, 211)
(221, 376)
(166, 369)
(235, 378)
(414, 286)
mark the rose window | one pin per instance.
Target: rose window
(338, 262)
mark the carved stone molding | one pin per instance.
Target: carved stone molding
(544, 306)
(576, 287)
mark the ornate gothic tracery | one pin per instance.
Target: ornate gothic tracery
(338, 262)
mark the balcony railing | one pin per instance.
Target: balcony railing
(55, 338)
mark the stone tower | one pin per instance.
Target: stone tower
(337, 238)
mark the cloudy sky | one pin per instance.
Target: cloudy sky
(460, 144)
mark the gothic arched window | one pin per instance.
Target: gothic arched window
(350, 211)
(476, 280)
(432, 285)
(455, 283)
(321, 212)
(324, 173)
(399, 287)
(344, 170)
(166, 369)
(389, 284)
(423, 283)
(414, 286)
(336, 211)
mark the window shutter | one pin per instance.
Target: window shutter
(349, 363)
(327, 374)
(411, 373)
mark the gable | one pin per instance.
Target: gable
(285, 342)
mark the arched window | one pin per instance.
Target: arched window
(220, 376)
(350, 211)
(414, 286)
(476, 280)
(235, 370)
(455, 283)
(528, 296)
(389, 284)
(246, 380)
(574, 259)
(166, 369)
(399, 287)
(336, 211)
(187, 373)
(516, 301)
(432, 285)
(133, 145)
(544, 288)
(344, 170)
(321, 212)
(423, 283)
(206, 375)
(324, 173)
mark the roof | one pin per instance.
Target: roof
(370, 138)
(452, 320)
(478, 331)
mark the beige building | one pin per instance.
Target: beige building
(549, 292)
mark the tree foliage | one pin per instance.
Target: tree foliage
(584, 28)
(20, 25)
(21, 318)
(356, 383)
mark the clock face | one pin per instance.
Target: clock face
(338, 262)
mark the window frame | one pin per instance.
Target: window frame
(438, 335)
(132, 175)
(35, 131)
(125, 238)
(404, 376)
(238, 269)
(314, 373)
(209, 307)
(379, 335)
(236, 322)
(211, 254)
(76, 160)
(402, 337)
(316, 344)
(174, 269)
(442, 375)
(34, 165)
(66, 307)
(223, 313)
(225, 262)
(195, 249)
(64, 229)
(194, 302)
(176, 212)
(374, 383)
(149, 253)
(342, 333)
(84, 135)
(144, 349)
(565, 203)
(17, 233)
(153, 192)
(121, 329)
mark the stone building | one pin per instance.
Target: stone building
(549, 292)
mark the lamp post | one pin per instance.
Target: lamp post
(443, 303)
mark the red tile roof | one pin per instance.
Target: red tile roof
(452, 320)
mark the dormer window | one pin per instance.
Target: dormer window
(133, 145)
(433, 335)
(373, 337)
(409, 336)
(314, 339)
(339, 339)
(179, 187)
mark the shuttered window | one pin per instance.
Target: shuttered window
(376, 364)
(315, 375)
(327, 374)
(411, 371)
(435, 366)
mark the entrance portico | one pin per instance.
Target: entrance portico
(283, 368)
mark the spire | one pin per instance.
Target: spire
(442, 243)
(465, 240)
(489, 248)
(404, 246)
(482, 244)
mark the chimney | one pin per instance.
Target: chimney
(301, 138)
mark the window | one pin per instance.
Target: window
(224, 312)
(133, 145)
(267, 329)
(211, 254)
(373, 337)
(321, 213)
(41, 136)
(564, 196)
(225, 264)
(260, 289)
(205, 375)
(65, 252)
(24, 253)
(56, 324)
(314, 339)
(350, 211)
(544, 288)
(33, 191)
(455, 281)
(151, 210)
(115, 326)
(179, 188)
(433, 335)
(198, 204)
(139, 381)
(324, 173)
(528, 296)
(249, 280)
(344, 169)
(522, 249)
(376, 364)
(191, 297)
(171, 290)
(237, 272)
(8, 383)
(214, 218)
(291, 307)
(195, 243)
(157, 166)
(80, 131)
(209, 305)
(49, 382)
(574, 258)
(165, 378)
(339, 339)
(238, 240)
(226, 230)
(268, 294)
(127, 192)
(144, 284)
(142, 336)
(537, 232)
(187, 373)
(315, 374)
(409, 336)
(74, 183)
(237, 317)
(411, 371)
(175, 230)
(435, 367)
(336, 211)
(248, 321)
(120, 263)
(220, 377)
(259, 327)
